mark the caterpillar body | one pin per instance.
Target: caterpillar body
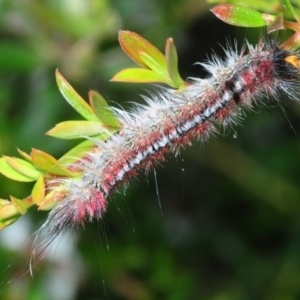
(170, 121)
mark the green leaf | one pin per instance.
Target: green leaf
(133, 45)
(11, 173)
(102, 110)
(172, 63)
(79, 129)
(136, 75)
(18, 169)
(49, 164)
(153, 64)
(239, 15)
(74, 99)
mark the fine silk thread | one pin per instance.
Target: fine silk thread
(169, 121)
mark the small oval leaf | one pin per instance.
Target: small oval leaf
(79, 129)
(74, 99)
(153, 64)
(239, 15)
(11, 173)
(135, 75)
(172, 64)
(22, 167)
(102, 110)
(133, 44)
(49, 164)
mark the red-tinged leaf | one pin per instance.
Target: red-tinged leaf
(20, 166)
(77, 152)
(79, 129)
(20, 205)
(74, 99)
(49, 164)
(102, 110)
(172, 63)
(239, 15)
(135, 75)
(11, 173)
(133, 44)
(38, 191)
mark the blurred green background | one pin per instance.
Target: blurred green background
(228, 226)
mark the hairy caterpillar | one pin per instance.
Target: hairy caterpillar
(169, 122)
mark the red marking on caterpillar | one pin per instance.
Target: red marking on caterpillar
(168, 123)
